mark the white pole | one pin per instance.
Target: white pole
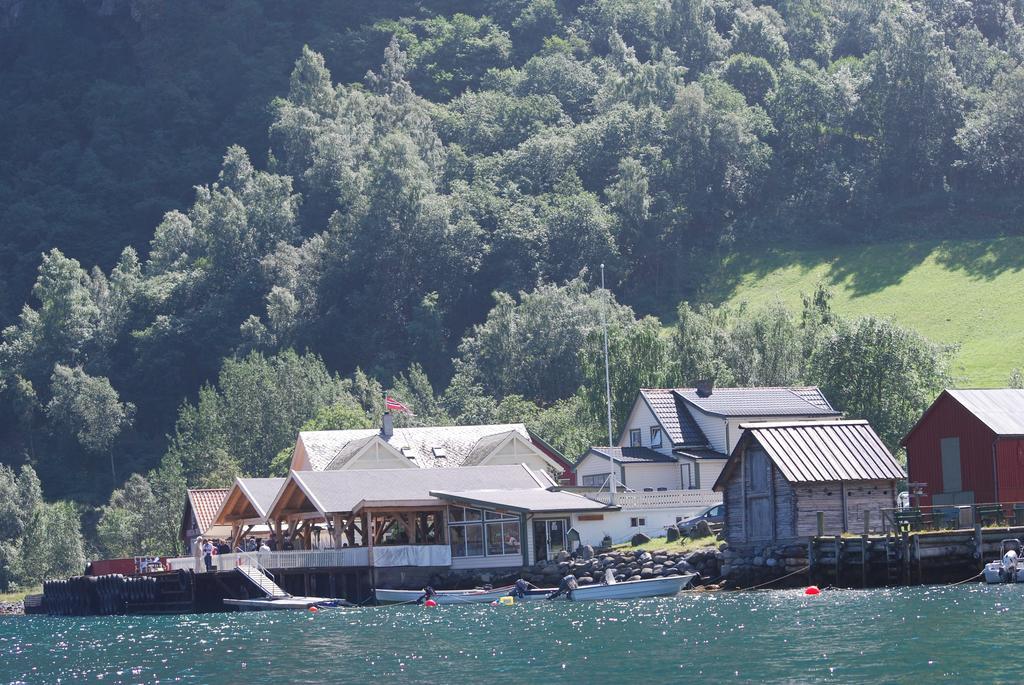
(613, 481)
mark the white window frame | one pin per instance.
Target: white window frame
(594, 480)
(656, 430)
(638, 435)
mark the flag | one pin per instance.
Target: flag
(391, 404)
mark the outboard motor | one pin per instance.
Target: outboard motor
(1009, 566)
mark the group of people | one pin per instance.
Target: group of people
(211, 547)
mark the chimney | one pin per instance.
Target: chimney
(387, 429)
(705, 388)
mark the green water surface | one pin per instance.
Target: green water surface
(963, 634)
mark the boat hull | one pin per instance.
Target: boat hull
(384, 596)
(627, 589)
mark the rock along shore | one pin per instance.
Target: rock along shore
(12, 608)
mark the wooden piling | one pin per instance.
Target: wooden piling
(821, 524)
(839, 557)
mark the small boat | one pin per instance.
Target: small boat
(1010, 567)
(666, 586)
(285, 603)
(444, 596)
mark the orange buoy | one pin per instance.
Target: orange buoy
(313, 610)
(430, 603)
(812, 590)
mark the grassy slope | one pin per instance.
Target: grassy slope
(966, 292)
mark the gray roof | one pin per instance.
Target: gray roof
(531, 500)
(632, 455)
(332, 449)
(700, 453)
(673, 416)
(757, 402)
(261, 492)
(341, 491)
(1001, 409)
(820, 451)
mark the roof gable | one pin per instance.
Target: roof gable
(673, 416)
(417, 443)
(1001, 409)
(205, 503)
(819, 451)
(341, 491)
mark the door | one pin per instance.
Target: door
(758, 488)
(548, 538)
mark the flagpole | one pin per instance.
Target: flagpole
(613, 481)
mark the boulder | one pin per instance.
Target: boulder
(702, 529)
(639, 539)
(634, 578)
(644, 557)
(585, 580)
(647, 573)
(671, 534)
(660, 559)
(587, 552)
(564, 555)
(672, 572)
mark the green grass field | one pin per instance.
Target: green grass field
(965, 292)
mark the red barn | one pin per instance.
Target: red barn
(968, 447)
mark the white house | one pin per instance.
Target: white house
(424, 447)
(676, 441)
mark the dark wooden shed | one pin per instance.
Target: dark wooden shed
(781, 474)
(968, 447)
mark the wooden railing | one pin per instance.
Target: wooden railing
(953, 516)
(389, 555)
(664, 499)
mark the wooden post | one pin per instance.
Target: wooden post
(867, 521)
(906, 557)
(821, 524)
(917, 555)
(810, 560)
(864, 556)
(839, 555)
(978, 552)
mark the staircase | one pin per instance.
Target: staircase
(258, 578)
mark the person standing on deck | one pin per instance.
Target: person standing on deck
(208, 555)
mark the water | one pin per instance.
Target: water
(967, 633)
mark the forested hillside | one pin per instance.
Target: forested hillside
(292, 206)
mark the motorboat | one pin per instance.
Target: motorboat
(1010, 567)
(478, 595)
(666, 586)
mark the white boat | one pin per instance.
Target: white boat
(666, 586)
(285, 603)
(1010, 567)
(443, 596)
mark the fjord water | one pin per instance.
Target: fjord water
(967, 633)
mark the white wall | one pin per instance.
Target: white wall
(640, 476)
(616, 524)
(592, 465)
(713, 428)
(518, 451)
(641, 416)
(710, 469)
(735, 432)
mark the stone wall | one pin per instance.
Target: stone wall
(589, 567)
(749, 564)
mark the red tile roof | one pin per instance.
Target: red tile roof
(206, 502)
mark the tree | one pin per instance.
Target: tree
(873, 369)
(992, 137)
(750, 75)
(700, 342)
(345, 415)
(89, 409)
(126, 524)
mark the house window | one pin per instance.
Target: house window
(634, 437)
(595, 480)
(469, 529)
(655, 436)
(686, 476)
(637, 522)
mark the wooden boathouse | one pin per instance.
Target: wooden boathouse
(781, 475)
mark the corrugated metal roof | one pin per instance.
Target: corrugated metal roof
(206, 502)
(341, 491)
(1001, 409)
(822, 451)
(757, 402)
(673, 416)
(532, 500)
(632, 455)
(333, 448)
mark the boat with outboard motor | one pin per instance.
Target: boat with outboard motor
(1010, 567)
(665, 586)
